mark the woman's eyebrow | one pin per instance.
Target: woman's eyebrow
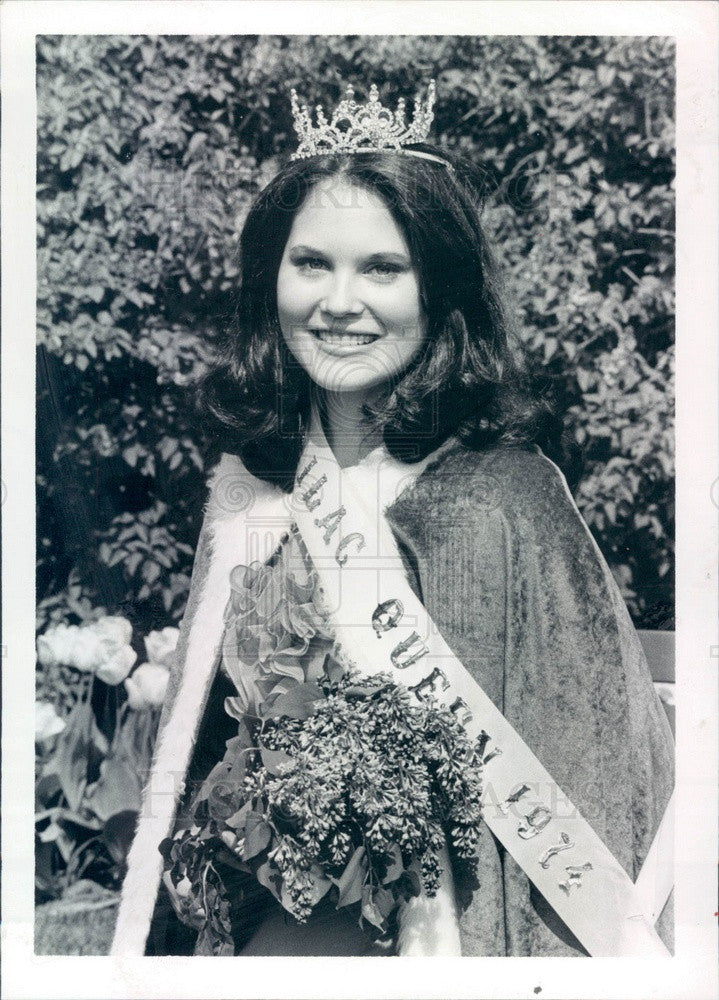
(388, 256)
(303, 248)
(382, 256)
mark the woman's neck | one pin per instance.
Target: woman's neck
(345, 426)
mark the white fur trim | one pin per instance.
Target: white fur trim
(429, 926)
(230, 484)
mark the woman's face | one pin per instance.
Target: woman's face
(348, 295)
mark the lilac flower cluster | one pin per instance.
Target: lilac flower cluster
(345, 788)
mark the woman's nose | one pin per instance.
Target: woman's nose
(341, 298)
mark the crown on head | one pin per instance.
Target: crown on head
(360, 128)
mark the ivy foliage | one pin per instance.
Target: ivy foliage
(150, 150)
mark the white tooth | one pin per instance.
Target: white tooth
(344, 338)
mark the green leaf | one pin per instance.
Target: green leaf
(132, 562)
(274, 760)
(299, 702)
(70, 758)
(352, 880)
(206, 943)
(258, 834)
(99, 739)
(132, 454)
(411, 880)
(167, 447)
(150, 571)
(119, 833)
(218, 775)
(371, 914)
(384, 901)
(395, 867)
(197, 140)
(238, 820)
(118, 789)
(46, 789)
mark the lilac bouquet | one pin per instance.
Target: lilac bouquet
(338, 786)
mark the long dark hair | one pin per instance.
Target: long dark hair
(468, 380)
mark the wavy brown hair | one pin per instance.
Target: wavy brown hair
(469, 379)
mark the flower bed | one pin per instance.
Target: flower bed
(96, 721)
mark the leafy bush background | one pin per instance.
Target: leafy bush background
(149, 152)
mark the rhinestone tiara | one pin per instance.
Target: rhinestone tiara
(363, 128)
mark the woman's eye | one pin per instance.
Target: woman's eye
(311, 263)
(384, 270)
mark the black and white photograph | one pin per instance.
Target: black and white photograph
(366, 577)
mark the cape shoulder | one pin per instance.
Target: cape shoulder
(517, 485)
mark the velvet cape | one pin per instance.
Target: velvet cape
(497, 551)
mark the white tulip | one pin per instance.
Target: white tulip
(47, 722)
(160, 645)
(147, 686)
(56, 645)
(65, 640)
(114, 629)
(118, 666)
(102, 647)
(87, 652)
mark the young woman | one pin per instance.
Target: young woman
(370, 332)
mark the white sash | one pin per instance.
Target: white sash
(382, 626)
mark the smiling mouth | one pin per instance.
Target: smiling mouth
(349, 338)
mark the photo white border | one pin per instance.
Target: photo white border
(692, 973)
